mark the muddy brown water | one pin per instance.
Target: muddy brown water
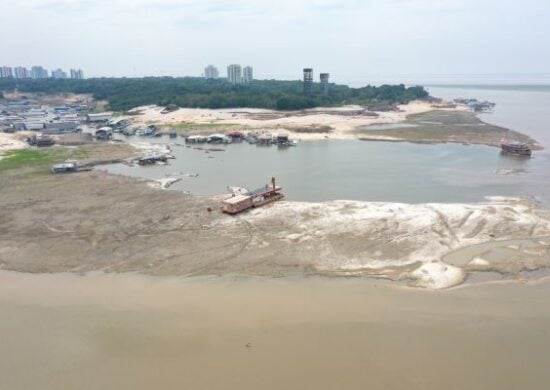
(62, 331)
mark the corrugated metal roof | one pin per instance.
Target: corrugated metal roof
(236, 199)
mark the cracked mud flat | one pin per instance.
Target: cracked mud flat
(98, 222)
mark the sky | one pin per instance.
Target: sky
(353, 40)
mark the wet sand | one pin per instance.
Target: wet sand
(62, 331)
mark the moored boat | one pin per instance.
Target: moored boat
(516, 148)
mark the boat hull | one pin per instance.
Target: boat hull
(516, 150)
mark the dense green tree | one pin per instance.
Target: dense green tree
(126, 93)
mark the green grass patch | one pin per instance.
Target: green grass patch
(39, 159)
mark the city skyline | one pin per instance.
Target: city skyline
(39, 72)
(352, 38)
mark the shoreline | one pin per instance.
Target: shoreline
(431, 142)
(342, 121)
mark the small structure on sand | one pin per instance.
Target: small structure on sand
(104, 134)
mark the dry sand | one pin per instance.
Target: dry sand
(133, 332)
(11, 142)
(343, 126)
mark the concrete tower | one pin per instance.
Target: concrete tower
(308, 81)
(324, 82)
(234, 74)
(248, 75)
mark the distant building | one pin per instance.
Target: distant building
(234, 75)
(77, 74)
(21, 72)
(61, 127)
(6, 71)
(248, 74)
(100, 117)
(324, 82)
(211, 72)
(38, 72)
(308, 81)
(59, 74)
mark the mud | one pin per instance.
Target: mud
(94, 221)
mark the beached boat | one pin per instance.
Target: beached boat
(516, 148)
(153, 158)
(69, 166)
(243, 201)
(40, 140)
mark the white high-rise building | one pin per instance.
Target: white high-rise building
(6, 71)
(234, 74)
(77, 74)
(59, 74)
(38, 72)
(21, 72)
(211, 72)
(248, 74)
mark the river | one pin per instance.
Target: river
(379, 171)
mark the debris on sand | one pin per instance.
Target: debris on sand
(479, 263)
(165, 182)
(437, 275)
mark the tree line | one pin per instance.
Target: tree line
(194, 92)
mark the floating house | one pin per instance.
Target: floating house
(195, 139)
(218, 139)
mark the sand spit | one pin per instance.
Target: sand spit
(395, 241)
(11, 142)
(301, 125)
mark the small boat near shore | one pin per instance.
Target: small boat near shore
(516, 148)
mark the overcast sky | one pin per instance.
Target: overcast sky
(351, 39)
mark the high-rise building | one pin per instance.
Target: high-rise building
(77, 74)
(6, 71)
(211, 72)
(248, 74)
(308, 81)
(234, 75)
(324, 82)
(59, 74)
(38, 72)
(21, 72)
